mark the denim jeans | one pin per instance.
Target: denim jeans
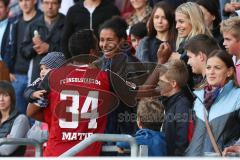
(20, 85)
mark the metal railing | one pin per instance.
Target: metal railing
(24, 141)
(103, 138)
(142, 150)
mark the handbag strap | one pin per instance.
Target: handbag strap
(210, 134)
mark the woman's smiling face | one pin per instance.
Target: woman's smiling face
(109, 42)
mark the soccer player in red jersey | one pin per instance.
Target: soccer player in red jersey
(79, 100)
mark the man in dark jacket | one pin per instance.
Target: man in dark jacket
(88, 14)
(43, 35)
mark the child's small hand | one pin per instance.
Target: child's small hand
(120, 150)
(38, 94)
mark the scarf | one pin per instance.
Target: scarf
(210, 95)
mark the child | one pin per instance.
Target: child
(177, 105)
(230, 29)
(149, 120)
(137, 32)
(34, 94)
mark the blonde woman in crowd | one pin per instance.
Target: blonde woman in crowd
(189, 22)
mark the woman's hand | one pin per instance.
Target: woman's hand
(164, 52)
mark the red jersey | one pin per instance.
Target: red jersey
(79, 100)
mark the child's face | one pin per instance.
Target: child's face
(231, 43)
(165, 86)
(44, 71)
(134, 41)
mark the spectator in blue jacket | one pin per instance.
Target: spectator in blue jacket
(150, 115)
(219, 102)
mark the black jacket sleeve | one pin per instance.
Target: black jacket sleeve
(30, 89)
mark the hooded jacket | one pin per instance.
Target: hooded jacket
(153, 139)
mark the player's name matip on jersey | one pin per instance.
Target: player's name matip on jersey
(79, 100)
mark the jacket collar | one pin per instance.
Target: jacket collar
(12, 115)
(169, 101)
(59, 22)
(227, 88)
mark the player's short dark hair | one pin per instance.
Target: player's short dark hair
(82, 42)
(150, 112)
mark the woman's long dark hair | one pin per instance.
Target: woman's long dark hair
(170, 16)
(6, 87)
